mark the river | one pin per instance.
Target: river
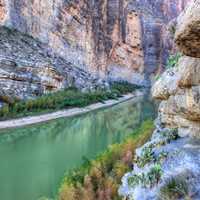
(33, 159)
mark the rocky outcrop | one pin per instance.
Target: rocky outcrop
(110, 39)
(29, 69)
(188, 31)
(180, 90)
(167, 167)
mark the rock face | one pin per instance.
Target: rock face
(111, 39)
(180, 89)
(157, 17)
(80, 42)
(188, 31)
(167, 167)
(28, 69)
(171, 171)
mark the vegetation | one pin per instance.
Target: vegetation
(148, 179)
(175, 188)
(62, 100)
(173, 60)
(170, 135)
(171, 63)
(123, 87)
(172, 29)
(147, 156)
(99, 179)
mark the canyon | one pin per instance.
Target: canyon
(50, 45)
(88, 46)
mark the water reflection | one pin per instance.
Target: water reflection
(34, 159)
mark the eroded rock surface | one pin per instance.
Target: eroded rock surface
(175, 158)
(29, 69)
(118, 39)
(167, 167)
(181, 92)
(188, 30)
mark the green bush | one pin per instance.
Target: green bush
(170, 135)
(173, 60)
(148, 179)
(147, 156)
(4, 111)
(62, 100)
(175, 188)
(123, 87)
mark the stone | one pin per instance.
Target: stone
(189, 70)
(188, 103)
(166, 85)
(179, 110)
(180, 107)
(48, 45)
(28, 69)
(182, 111)
(188, 30)
(181, 160)
(100, 37)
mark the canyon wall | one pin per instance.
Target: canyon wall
(179, 88)
(119, 40)
(168, 165)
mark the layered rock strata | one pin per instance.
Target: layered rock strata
(119, 39)
(179, 88)
(29, 69)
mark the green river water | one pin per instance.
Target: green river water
(34, 159)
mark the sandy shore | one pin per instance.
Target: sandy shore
(64, 113)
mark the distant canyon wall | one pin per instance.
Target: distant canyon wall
(115, 39)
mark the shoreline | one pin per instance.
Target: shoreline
(25, 121)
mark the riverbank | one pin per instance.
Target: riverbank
(13, 123)
(100, 178)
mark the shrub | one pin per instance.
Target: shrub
(174, 188)
(170, 135)
(173, 60)
(154, 175)
(162, 156)
(4, 111)
(63, 99)
(134, 180)
(148, 179)
(123, 87)
(172, 29)
(147, 156)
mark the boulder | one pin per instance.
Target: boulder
(188, 103)
(188, 30)
(166, 85)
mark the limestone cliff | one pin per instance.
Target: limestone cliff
(179, 88)
(167, 167)
(29, 69)
(116, 39)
